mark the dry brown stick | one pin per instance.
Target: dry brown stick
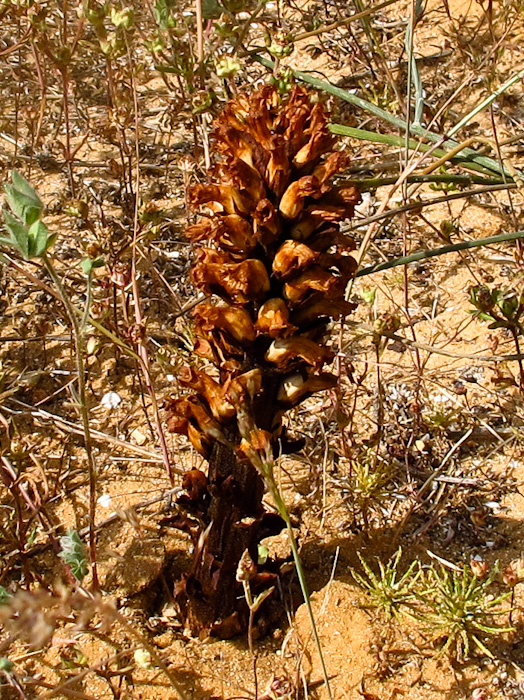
(439, 351)
(140, 326)
(97, 435)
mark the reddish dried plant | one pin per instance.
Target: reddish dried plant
(270, 250)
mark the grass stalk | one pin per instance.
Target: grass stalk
(140, 325)
(426, 254)
(78, 339)
(486, 102)
(283, 512)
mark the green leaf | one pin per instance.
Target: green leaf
(38, 236)
(211, 9)
(17, 234)
(23, 186)
(5, 596)
(23, 206)
(263, 554)
(73, 553)
(261, 598)
(5, 664)
(88, 264)
(23, 199)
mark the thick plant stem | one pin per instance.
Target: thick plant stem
(82, 406)
(232, 517)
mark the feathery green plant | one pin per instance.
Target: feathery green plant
(461, 608)
(389, 590)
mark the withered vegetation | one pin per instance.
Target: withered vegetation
(269, 247)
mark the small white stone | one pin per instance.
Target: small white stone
(493, 505)
(138, 437)
(143, 658)
(104, 500)
(111, 400)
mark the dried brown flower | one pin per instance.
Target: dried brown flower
(270, 247)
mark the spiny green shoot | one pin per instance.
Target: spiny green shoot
(389, 590)
(461, 608)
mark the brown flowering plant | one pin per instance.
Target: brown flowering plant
(270, 253)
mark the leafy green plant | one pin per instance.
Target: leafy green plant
(389, 590)
(26, 233)
(29, 236)
(369, 486)
(74, 555)
(460, 608)
(501, 310)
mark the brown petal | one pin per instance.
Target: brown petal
(212, 392)
(221, 198)
(194, 483)
(260, 440)
(238, 282)
(334, 163)
(331, 236)
(278, 169)
(239, 143)
(292, 201)
(273, 319)
(245, 387)
(231, 232)
(326, 211)
(220, 352)
(306, 225)
(201, 231)
(232, 319)
(284, 351)
(345, 265)
(198, 413)
(189, 417)
(320, 140)
(295, 388)
(177, 424)
(203, 348)
(243, 177)
(201, 442)
(266, 222)
(314, 309)
(317, 279)
(293, 118)
(291, 258)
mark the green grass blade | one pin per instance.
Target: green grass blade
(426, 254)
(485, 103)
(470, 156)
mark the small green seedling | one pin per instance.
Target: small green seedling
(461, 608)
(388, 590)
(73, 554)
(26, 233)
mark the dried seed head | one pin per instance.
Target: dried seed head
(514, 573)
(247, 569)
(479, 568)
